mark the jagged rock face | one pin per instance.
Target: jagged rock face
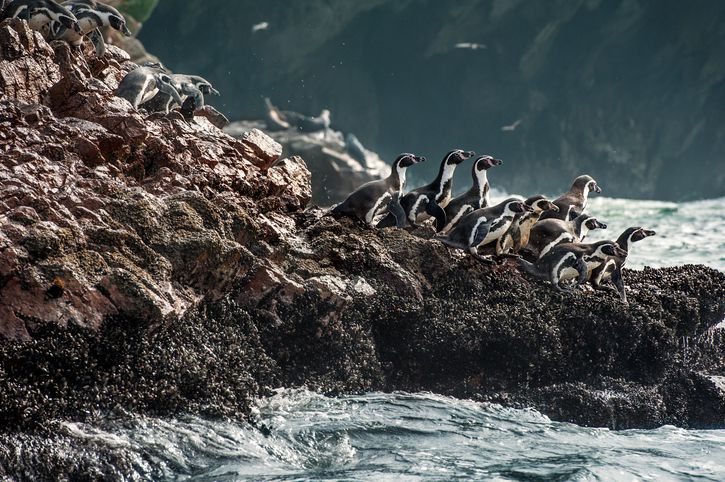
(336, 173)
(106, 213)
(627, 91)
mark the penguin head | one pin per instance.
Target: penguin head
(407, 159)
(486, 162)
(119, 23)
(457, 156)
(154, 65)
(203, 85)
(641, 233)
(69, 21)
(587, 183)
(594, 223)
(611, 249)
(517, 206)
(540, 204)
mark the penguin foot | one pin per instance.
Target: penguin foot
(484, 259)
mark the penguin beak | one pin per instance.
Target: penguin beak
(528, 208)
(125, 30)
(648, 232)
(552, 207)
(419, 159)
(620, 252)
(469, 154)
(597, 188)
(214, 91)
(601, 225)
(497, 162)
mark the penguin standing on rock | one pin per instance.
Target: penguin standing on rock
(143, 83)
(611, 268)
(91, 15)
(474, 198)
(548, 233)
(570, 261)
(574, 202)
(187, 86)
(39, 14)
(483, 226)
(518, 234)
(373, 197)
(429, 200)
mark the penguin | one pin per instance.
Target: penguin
(474, 198)
(483, 226)
(39, 14)
(187, 86)
(429, 200)
(611, 268)
(91, 16)
(365, 202)
(574, 202)
(143, 83)
(569, 261)
(548, 233)
(518, 234)
(355, 149)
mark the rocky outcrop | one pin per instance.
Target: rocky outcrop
(336, 172)
(155, 265)
(628, 91)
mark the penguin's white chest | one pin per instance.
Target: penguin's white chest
(568, 274)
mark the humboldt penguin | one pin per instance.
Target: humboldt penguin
(518, 234)
(187, 86)
(39, 14)
(429, 200)
(474, 198)
(483, 226)
(548, 233)
(373, 197)
(91, 15)
(611, 268)
(143, 83)
(570, 261)
(574, 202)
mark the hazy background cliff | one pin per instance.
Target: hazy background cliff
(630, 91)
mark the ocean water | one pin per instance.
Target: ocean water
(301, 435)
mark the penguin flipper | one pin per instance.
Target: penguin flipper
(397, 211)
(438, 213)
(581, 266)
(481, 233)
(98, 43)
(619, 283)
(389, 220)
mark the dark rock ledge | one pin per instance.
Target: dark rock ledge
(155, 266)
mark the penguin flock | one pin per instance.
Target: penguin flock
(545, 237)
(150, 86)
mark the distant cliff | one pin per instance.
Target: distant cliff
(628, 91)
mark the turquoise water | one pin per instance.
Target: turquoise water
(301, 435)
(406, 437)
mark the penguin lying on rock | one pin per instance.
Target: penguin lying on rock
(483, 226)
(372, 198)
(548, 233)
(143, 83)
(571, 261)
